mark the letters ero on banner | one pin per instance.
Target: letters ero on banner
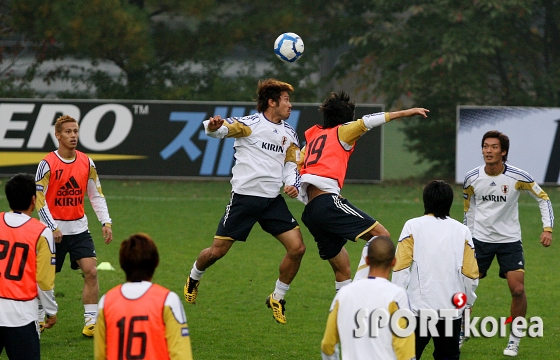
(152, 139)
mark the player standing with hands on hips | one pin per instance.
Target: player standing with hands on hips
(27, 272)
(330, 218)
(63, 177)
(266, 150)
(491, 194)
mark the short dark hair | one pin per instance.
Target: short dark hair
(438, 197)
(337, 109)
(381, 252)
(139, 257)
(20, 190)
(270, 89)
(504, 141)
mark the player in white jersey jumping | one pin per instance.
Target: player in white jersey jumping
(266, 148)
(491, 194)
(373, 293)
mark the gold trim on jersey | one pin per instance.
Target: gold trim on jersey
(366, 231)
(470, 266)
(404, 255)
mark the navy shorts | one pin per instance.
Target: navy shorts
(79, 246)
(332, 220)
(21, 343)
(510, 256)
(243, 211)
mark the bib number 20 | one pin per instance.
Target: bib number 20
(17, 258)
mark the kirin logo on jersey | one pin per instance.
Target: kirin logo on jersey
(70, 194)
(505, 189)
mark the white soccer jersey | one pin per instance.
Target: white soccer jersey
(490, 203)
(265, 154)
(369, 294)
(362, 271)
(435, 260)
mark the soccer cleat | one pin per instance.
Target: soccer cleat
(511, 349)
(88, 330)
(278, 308)
(191, 290)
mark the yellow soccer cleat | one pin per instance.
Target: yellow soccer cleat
(88, 330)
(190, 290)
(278, 308)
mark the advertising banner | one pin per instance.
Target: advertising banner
(534, 135)
(152, 139)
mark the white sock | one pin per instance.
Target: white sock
(340, 284)
(195, 273)
(514, 338)
(280, 290)
(90, 313)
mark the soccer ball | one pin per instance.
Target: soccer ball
(288, 47)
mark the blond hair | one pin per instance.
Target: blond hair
(62, 120)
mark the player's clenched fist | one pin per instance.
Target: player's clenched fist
(215, 122)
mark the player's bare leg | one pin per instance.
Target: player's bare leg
(378, 230)
(209, 256)
(90, 293)
(205, 259)
(295, 249)
(516, 283)
(341, 267)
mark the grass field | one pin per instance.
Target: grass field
(230, 319)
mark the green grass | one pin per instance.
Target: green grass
(230, 319)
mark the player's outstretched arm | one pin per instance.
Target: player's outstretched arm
(214, 123)
(409, 112)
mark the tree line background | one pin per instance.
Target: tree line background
(434, 54)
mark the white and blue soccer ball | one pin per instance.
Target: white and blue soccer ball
(288, 47)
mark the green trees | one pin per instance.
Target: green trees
(160, 49)
(435, 54)
(440, 54)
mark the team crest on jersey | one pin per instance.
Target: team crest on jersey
(505, 189)
(284, 140)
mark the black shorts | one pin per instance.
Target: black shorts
(22, 342)
(332, 220)
(243, 211)
(510, 256)
(79, 246)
